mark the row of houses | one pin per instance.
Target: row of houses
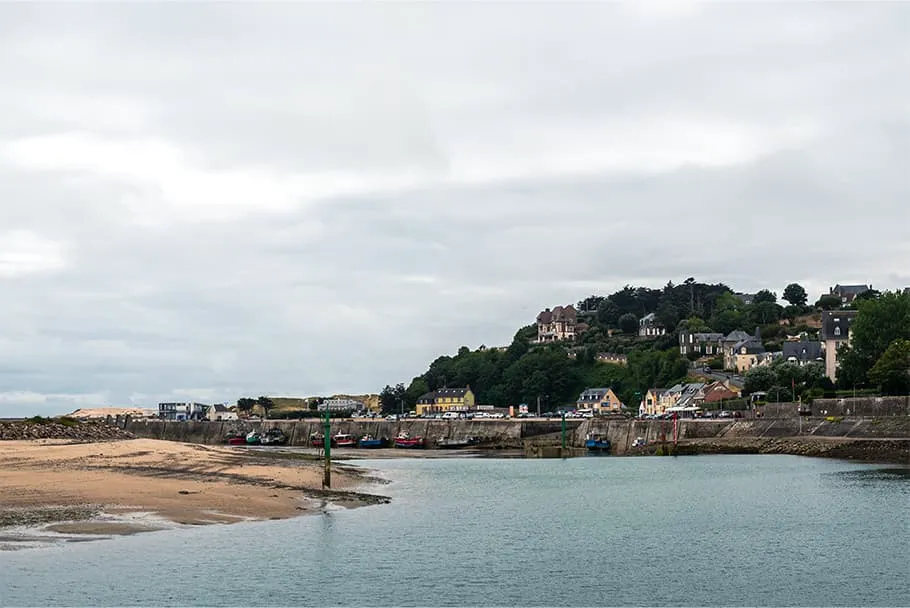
(195, 411)
(680, 397)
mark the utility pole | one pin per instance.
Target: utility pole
(538, 406)
(327, 446)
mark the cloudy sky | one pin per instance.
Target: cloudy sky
(209, 200)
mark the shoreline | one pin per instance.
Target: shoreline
(65, 490)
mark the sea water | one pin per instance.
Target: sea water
(693, 531)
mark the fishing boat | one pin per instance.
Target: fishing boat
(253, 438)
(639, 442)
(317, 440)
(404, 440)
(370, 442)
(235, 438)
(273, 437)
(454, 444)
(344, 440)
(596, 443)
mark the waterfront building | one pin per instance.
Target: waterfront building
(835, 332)
(183, 411)
(601, 400)
(444, 400)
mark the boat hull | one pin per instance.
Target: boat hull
(368, 444)
(597, 446)
(409, 443)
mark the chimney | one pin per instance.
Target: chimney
(758, 333)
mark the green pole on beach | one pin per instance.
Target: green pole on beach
(563, 434)
(327, 446)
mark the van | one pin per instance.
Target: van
(451, 416)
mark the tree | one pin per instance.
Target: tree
(246, 404)
(892, 370)
(878, 323)
(795, 294)
(765, 296)
(759, 379)
(828, 302)
(628, 323)
(391, 399)
(266, 404)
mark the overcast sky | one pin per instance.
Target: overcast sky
(205, 201)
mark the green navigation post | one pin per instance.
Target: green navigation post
(563, 434)
(327, 446)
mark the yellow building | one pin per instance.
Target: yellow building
(651, 401)
(444, 400)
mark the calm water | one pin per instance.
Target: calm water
(724, 530)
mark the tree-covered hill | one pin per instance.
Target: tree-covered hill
(558, 372)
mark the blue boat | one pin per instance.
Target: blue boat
(596, 443)
(368, 441)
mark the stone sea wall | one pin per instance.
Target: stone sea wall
(90, 431)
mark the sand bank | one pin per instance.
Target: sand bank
(47, 482)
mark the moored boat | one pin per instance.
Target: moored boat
(235, 438)
(273, 436)
(597, 443)
(452, 444)
(344, 440)
(317, 440)
(253, 438)
(370, 442)
(404, 440)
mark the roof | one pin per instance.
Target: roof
(850, 289)
(593, 393)
(737, 335)
(752, 346)
(443, 392)
(834, 319)
(803, 351)
(220, 408)
(707, 336)
(559, 313)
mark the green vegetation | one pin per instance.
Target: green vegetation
(878, 353)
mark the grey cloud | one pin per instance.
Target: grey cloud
(749, 144)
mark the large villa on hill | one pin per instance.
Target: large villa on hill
(559, 324)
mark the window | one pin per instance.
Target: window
(837, 331)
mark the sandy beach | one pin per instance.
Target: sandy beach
(70, 487)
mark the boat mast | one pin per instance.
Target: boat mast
(327, 448)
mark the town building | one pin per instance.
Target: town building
(221, 413)
(650, 402)
(716, 392)
(834, 333)
(601, 400)
(803, 352)
(848, 293)
(558, 324)
(614, 358)
(733, 343)
(650, 327)
(444, 400)
(341, 405)
(701, 343)
(183, 411)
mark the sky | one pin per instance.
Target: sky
(202, 201)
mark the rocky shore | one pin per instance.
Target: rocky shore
(66, 429)
(890, 451)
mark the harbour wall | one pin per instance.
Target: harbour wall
(519, 434)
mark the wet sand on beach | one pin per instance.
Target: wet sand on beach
(48, 481)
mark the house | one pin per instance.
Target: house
(734, 339)
(716, 392)
(614, 358)
(343, 404)
(650, 327)
(444, 400)
(687, 397)
(745, 298)
(183, 411)
(748, 354)
(557, 324)
(848, 293)
(221, 413)
(803, 352)
(702, 343)
(670, 397)
(650, 402)
(601, 400)
(835, 332)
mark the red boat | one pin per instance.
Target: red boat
(236, 440)
(317, 440)
(406, 441)
(343, 440)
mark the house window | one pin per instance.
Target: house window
(837, 331)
